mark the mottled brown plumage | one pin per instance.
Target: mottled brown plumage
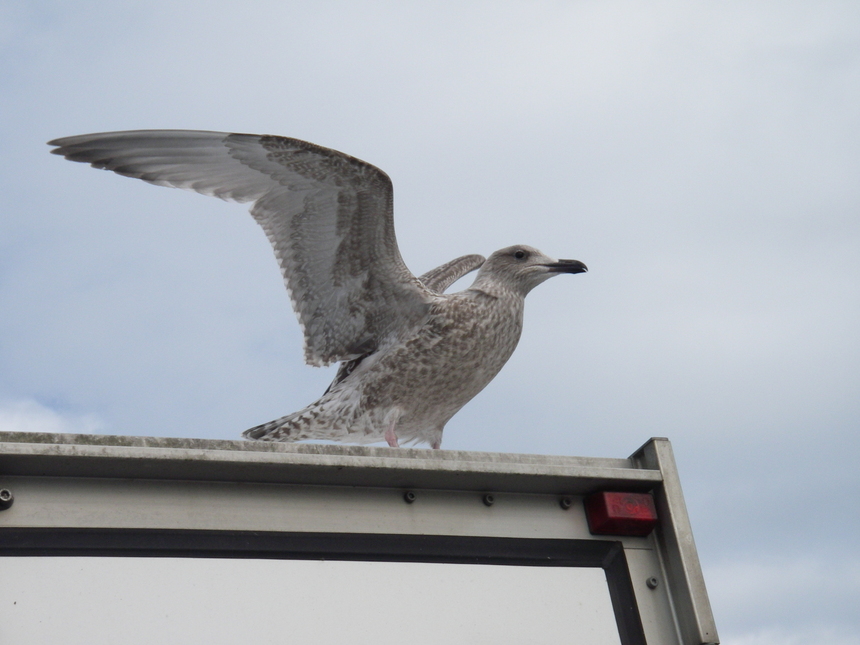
(411, 356)
(407, 392)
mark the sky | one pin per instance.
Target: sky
(701, 158)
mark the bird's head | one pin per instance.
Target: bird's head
(521, 268)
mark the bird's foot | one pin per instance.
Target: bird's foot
(391, 437)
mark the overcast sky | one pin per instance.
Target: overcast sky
(703, 159)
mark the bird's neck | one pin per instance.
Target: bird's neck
(497, 289)
(499, 293)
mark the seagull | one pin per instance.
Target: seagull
(410, 355)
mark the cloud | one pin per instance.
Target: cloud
(30, 416)
(801, 597)
(802, 636)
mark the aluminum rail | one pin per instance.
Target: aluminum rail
(71, 455)
(120, 482)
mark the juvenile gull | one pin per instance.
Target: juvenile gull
(410, 355)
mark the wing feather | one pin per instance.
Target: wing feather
(444, 276)
(328, 216)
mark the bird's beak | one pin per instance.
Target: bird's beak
(566, 266)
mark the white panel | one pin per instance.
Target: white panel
(130, 601)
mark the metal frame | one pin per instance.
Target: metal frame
(144, 496)
(608, 555)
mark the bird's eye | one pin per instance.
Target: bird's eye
(519, 255)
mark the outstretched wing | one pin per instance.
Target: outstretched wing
(444, 276)
(328, 216)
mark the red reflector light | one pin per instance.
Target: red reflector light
(620, 513)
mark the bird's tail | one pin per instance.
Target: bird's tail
(293, 427)
(316, 421)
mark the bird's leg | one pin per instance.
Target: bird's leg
(390, 435)
(434, 437)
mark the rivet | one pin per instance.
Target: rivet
(652, 582)
(6, 498)
(409, 497)
(489, 500)
(565, 503)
